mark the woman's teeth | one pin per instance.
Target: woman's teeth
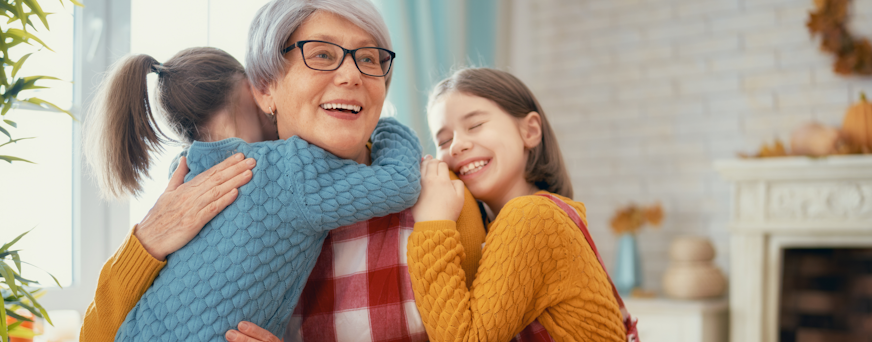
(473, 167)
(344, 107)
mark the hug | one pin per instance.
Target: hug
(298, 213)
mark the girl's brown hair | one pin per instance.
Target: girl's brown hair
(545, 167)
(121, 131)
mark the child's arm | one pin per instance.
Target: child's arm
(339, 192)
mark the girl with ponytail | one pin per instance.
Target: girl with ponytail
(202, 93)
(251, 261)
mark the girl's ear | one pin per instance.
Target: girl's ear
(264, 99)
(531, 130)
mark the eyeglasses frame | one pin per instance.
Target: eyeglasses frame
(345, 52)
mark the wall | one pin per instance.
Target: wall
(646, 94)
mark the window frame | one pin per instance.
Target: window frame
(101, 36)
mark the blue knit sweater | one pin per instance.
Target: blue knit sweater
(250, 262)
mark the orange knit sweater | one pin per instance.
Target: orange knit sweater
(536, 264)
(130, 272)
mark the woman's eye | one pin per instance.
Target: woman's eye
(476, 126)
(444, 142)
(321, 55)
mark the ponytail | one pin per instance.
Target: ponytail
(120, 130)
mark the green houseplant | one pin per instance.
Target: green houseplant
(21, 15)
(14, 289)
(16, 295)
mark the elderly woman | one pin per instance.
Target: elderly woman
(360, 284)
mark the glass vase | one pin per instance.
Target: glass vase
(628, 268)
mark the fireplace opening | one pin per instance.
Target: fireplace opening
(826, 295)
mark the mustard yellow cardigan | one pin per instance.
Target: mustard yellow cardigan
(536, 264)
(131, 270)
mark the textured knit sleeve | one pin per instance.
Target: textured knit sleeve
(123, 280)
(349, 192)
(470, 225)
(534, 265)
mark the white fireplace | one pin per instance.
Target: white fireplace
(790, 202)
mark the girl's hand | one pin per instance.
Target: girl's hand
(250, 332)
(184, 208)
(441, 198)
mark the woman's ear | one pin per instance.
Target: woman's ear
(531, 130)
(264, 99)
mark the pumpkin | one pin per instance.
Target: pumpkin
(857, 125)
(814, 139)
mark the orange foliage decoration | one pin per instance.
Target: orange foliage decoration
(829, 20)
(631, 218)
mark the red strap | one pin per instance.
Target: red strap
(629, 321)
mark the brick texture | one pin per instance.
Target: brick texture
(646, 94)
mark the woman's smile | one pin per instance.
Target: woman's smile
(342, 109)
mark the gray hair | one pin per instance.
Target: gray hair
(278, 19)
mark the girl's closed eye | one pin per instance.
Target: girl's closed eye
(476, 126)
(444, 142)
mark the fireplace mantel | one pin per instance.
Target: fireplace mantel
(788, 202)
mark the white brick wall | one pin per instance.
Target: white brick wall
(646, 94)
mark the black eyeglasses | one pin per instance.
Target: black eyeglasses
(326, 56)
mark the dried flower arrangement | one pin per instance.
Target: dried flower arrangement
(631, 218)
(829, 20)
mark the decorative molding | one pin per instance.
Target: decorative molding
(820, 201)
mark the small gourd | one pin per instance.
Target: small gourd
(857, 125)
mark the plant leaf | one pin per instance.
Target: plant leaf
(17, 260)
(18, 304)
(11, 123)
(9, 244)
(4, 131)
(15, 140)
(19, 63)
(22, 332)
(6, 7)
(51, 275)
(20, 318)
(24, 281)
(30, 81)
(41, 309)
(34, 7)
(14, 325)
(10, 159)
(8, 274)
(44, 104)
(4, 334)
(27, 36)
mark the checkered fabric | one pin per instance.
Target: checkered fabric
(360, 289)
(534, 332)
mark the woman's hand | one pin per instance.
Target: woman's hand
(441, 198)
(250, 332)
(184, 208)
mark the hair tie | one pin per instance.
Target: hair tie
(156, 68)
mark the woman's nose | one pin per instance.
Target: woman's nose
(348, 72)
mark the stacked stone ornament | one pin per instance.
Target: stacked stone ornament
(691, 273)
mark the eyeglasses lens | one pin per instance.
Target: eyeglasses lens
(325, 56)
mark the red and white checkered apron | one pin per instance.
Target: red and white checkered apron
(360, 289)
(629, 321)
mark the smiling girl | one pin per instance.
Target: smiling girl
(537, 265)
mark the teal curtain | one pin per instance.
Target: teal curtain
(432, 38)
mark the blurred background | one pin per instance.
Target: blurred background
(644, 96)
